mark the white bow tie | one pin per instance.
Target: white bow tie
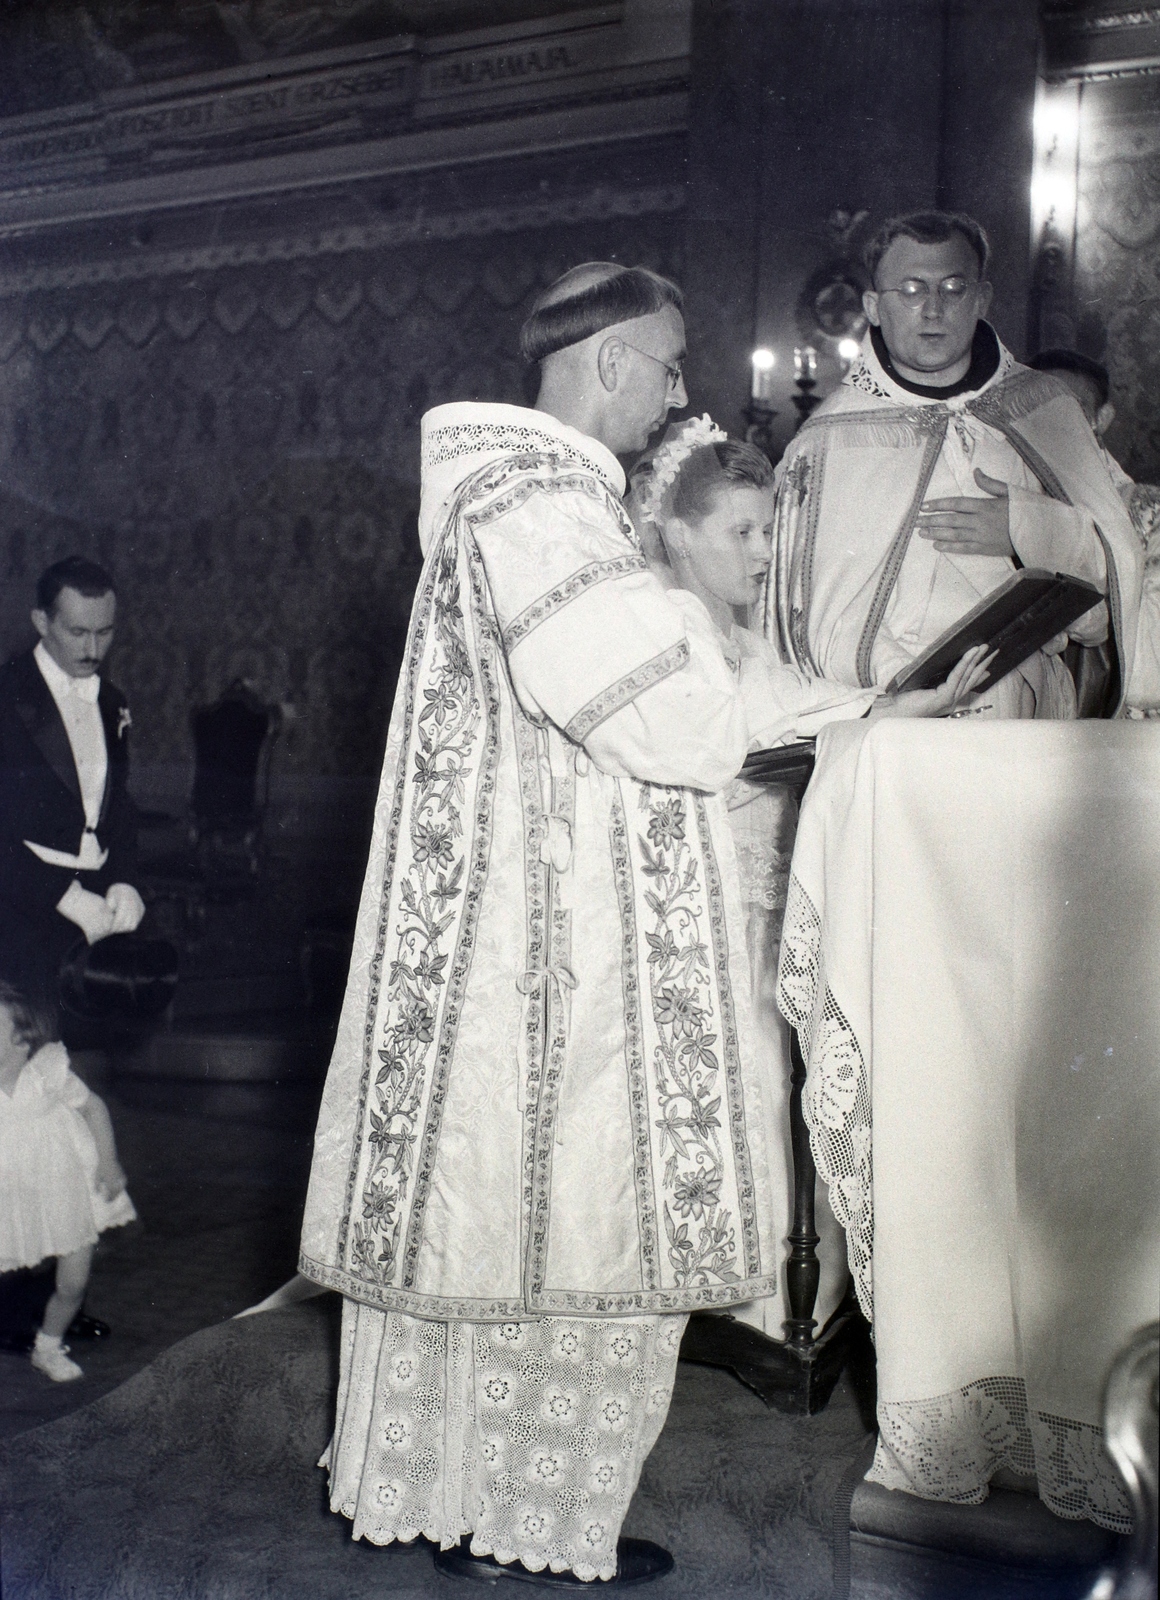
(86, 689)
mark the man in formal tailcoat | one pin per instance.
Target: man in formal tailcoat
(66, 818)
(67, 827)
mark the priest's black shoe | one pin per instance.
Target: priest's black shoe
(18, 1343)
(83, 1326)
(637, 1561)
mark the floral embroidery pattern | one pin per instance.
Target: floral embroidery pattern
(435, 841)
(602, 706)
(797, 477)
(701, 1236)
(446, 727)
(563, 594)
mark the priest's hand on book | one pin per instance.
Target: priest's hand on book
(964, 679)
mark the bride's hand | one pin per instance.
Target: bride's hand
(966, 676)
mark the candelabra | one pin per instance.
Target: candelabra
(759, 413)
(805, 377)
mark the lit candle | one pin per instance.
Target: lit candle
(761, 388)
(848, 349)
(811, 361)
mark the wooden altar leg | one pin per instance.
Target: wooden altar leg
(797, 1376)
(802, 1271)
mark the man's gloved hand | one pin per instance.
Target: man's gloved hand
(91, 912)
(126, 906)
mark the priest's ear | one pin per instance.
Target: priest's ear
(610, 363)
(870, 306)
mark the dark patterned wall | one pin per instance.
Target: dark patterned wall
(1117, 263)
(241, 446)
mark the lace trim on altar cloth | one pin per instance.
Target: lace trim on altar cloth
(530, 1436)
(836, 1097)
(950, 1447)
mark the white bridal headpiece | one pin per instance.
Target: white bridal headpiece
(658, 474)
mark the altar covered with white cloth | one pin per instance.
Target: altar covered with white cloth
(970, 956)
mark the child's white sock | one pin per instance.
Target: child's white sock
(49, 1357)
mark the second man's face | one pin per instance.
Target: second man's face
(927, 299)
(78, 631)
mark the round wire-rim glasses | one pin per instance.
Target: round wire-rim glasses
(673, 368)
(950, 291)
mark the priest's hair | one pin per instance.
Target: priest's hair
(713, 467)
(928, 227)
(589, 298)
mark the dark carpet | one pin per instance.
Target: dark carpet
(195, 1480)
(217, 1173)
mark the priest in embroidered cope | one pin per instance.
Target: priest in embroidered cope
(937, 468)
(541, 1142)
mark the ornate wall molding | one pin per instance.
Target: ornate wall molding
(396, 105)
(1101, 45)
(1109, 22)
(414, 226)
(240, 444)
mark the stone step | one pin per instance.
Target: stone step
(1009, 1548)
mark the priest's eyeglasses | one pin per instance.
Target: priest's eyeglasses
(673, 368)
(950, 291)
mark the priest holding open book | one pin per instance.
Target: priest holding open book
(939, 469)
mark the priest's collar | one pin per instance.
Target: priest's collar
(986, 355)
(460, 438)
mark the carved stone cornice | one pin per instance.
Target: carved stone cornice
(396, 105)
(1102, 43)
(409, 226)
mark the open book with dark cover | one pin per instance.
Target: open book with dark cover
(1016, 620)
(782, 763)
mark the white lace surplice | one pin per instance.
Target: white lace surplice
(528, 1435)
(970, 961)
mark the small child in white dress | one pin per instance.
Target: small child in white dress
(60, 1181)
